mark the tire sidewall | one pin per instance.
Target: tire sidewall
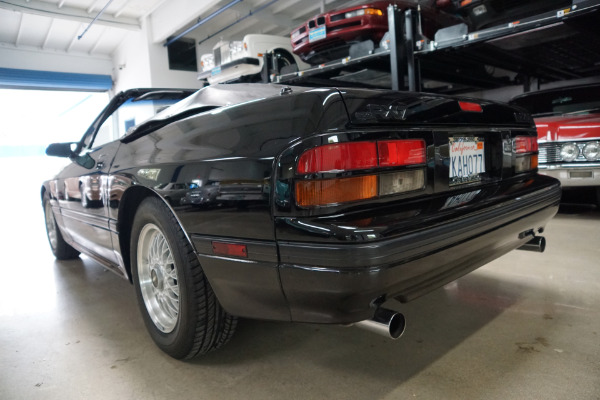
(179, 341)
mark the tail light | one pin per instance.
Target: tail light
(369, 157)
(526, 150)
(470, 107)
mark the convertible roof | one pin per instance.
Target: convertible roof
(211, 97)
(222, 95)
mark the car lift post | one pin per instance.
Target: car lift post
(402, 49)
(265, 76)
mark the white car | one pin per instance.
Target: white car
(243, 60)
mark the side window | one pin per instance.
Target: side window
(106, 133)
(131, 113)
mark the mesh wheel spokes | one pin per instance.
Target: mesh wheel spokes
(51, 226)
(158, 278)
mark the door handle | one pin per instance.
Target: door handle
(100, 165)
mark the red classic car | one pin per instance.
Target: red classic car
(568, 124)
(328, 36)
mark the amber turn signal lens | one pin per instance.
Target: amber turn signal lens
(534, 161)
(333, 191)
(526, 163)
(373, 11)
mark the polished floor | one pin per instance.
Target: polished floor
(526, 326)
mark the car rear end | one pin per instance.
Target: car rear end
(414, 192)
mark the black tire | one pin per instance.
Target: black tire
(174, 280)
(61, 249)
(284, 59)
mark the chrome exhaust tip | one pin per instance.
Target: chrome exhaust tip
(388, 323)
(537, 244)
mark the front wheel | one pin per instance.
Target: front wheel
(60, 248)
(180, 310)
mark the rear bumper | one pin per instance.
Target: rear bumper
(331, 283)
(233, 70)
(339, 270)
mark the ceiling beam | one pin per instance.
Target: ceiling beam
(93, 6)
(118, 13)
(95, 46)
(37, 7)
(20, 31)
(48, 34)
(74, 40)
(264, 15)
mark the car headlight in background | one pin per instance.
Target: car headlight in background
(569, 152)
(236, 49)
(363, 11)
(207, 62)
(591, 151)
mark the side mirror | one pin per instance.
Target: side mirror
(61, 149)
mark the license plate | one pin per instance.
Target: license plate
(467, 160)
(317, 34)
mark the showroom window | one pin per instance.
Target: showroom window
(182, 55)
(32, 119)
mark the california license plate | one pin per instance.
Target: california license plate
(317, 34)
(467, 160)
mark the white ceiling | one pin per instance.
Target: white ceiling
(56, 26)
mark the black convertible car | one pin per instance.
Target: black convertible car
(299, 204)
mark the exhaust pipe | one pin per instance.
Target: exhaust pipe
(537, 244)
(385, 322)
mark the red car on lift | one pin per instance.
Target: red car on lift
(328, 36)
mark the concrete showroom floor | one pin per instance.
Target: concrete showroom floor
(526, 326)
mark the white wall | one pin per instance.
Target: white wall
(174, 15)
(39, 60)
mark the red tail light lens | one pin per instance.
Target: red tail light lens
(338, 157)
(470, 107)
(525, 144)
(401, 152)
(361, 155)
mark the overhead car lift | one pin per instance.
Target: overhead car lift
(558, 45)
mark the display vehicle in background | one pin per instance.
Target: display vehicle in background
(481, 14)
(568, 125)
(243, 60)
(328, 36)
(312, 205)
